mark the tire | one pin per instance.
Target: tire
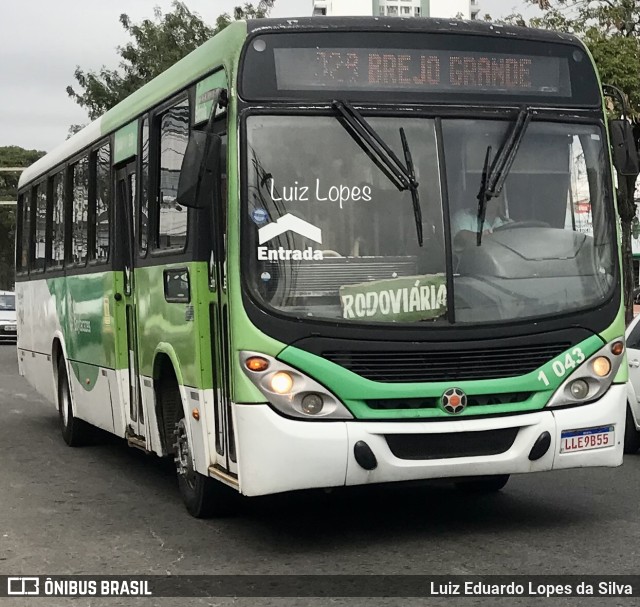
(484, 484)
(631, 434)
(203, 497)
(75, 432)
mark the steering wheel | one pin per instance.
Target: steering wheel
(514, 225)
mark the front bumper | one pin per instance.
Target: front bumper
(276, 454)
(8, 332)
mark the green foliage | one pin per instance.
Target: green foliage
(7, 238)
(246, 11)
(611, 30)
(11, 156)
(157, 44)
(14, 156)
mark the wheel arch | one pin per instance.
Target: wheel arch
(166, 373)
(58, 354)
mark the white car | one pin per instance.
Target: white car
(8, 321)
(632, 431)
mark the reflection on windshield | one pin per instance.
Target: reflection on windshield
(7, 302)
(547, 246)
(329, 236)
(332, 236)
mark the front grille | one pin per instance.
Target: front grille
(388, 404)
(449, 366)
(451, 444)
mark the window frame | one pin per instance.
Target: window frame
(92, 226)
(70, 199)
(155, 123)
(60, 170)
(19, 269)
(42, 183)
(147, 118)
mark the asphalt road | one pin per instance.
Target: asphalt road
(110, 509)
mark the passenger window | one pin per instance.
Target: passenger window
(40, 197)
(103, 202)
(57, 230)
(144, 189)
(80, 211)
(174, 135)
(25, 233)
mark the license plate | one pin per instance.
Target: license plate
(10, 328)
(587, 439)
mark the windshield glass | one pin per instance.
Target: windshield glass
(7, 302)
(547, 246)
(331, 237)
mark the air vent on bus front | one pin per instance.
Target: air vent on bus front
(425, 366)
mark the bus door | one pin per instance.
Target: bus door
(126, 205)
(219, 317)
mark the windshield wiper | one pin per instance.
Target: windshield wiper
(482, 196)
(413, 186)
(493, 178)
(402, 175)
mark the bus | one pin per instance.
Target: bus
(319, 253)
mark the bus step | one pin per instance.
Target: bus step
(138, 442)
(223, 476)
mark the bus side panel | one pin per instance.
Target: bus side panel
(38, 322)
(183, 329)
(174, 323)
(89, 330)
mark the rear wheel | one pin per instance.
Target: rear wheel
(203, 497)
(631, 434)
(75, 432)
(484, 484)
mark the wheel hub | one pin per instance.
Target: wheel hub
(183, 457)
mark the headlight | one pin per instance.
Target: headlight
(281, 382)
(592, 378)
(290, 391)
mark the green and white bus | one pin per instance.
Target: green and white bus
(328, 252)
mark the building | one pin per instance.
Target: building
(468, 9)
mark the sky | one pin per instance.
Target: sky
(44, 40)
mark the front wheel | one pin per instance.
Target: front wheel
(204, 497)
(631, 434)
(484, 484)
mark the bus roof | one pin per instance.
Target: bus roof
(408, 24)
(228, 44)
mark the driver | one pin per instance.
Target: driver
(464, 224)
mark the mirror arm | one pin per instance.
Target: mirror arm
(221, 102)
(614, 92)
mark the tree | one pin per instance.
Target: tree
(11, 156)
(247, 11)
(157, 44)
(611, 30)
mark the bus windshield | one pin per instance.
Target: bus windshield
(8, 303)
(331, 237)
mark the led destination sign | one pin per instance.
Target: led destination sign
(433, 71)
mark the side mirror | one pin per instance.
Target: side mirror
(201, 159)
(200, 164)
(623, 145)
(194, 167)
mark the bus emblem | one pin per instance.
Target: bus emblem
(454, 401)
